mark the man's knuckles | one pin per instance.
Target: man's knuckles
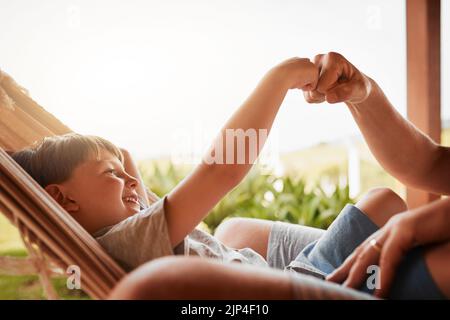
(313, 97)
(334, 56)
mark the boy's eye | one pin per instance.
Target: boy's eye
(112, 171)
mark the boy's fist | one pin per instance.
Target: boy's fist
(300, 73)
(339, 81)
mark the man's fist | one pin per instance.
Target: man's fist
(339, 81)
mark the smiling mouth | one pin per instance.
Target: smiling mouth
(131, 200)
(133, 204)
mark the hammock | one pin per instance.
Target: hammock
(53, 238)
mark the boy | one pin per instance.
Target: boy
(88, 177)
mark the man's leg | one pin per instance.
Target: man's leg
(241, 233)
(379, 204)
(197, 278)
(354, 224)
(182, 278)
(437, 258)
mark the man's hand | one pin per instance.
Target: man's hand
(384, 248)
(339, 81)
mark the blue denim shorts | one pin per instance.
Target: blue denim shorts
(329, 249)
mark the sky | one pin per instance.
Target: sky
(157, 77)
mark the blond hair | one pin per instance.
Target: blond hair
(53, 159)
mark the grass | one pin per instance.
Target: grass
(26, 287)
(29, 288)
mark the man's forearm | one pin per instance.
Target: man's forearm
(432, 222)
(403, 150)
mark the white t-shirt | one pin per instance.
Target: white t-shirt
(144, 237)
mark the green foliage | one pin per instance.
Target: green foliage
(262, 195)
(161, 177)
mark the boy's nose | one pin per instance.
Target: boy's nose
(132, 182)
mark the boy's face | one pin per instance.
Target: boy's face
(95, 194)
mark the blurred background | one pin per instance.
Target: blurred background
(160, 78)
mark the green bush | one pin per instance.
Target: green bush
(261, 195)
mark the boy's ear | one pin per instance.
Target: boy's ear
(56, 192)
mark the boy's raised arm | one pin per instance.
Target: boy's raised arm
(226, 164)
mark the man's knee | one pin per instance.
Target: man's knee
(380, 204)
(234, 232)
(245, 233)
(227, 230)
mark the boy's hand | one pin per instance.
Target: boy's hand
(298, 73)
(339, 81)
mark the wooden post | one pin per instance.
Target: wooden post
(423, 19)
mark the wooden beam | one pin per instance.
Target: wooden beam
(423, 28)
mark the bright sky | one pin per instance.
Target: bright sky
(146, 74)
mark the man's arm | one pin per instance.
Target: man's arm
(431, 222)
(197, 194)
(402, 149)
